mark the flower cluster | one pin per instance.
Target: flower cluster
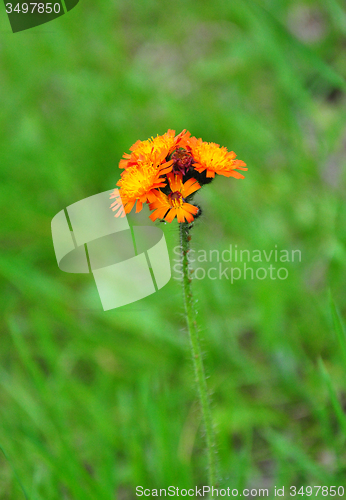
(165, 171)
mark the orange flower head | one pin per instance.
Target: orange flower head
(162, 144)
(215, 159)
(139, 183)
(183, 162)
(175, 205)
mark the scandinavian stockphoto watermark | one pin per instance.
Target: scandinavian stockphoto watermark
(274, 491)
(201, 491)
(128, 262)
(233, 263)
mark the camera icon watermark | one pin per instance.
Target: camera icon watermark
(128, 262)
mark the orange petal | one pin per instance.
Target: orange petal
(158, 214)
(171, 214)
(129, 206)
(153, 195)
(175, 181)
(180, 214)
(190, 186)
(211, 173)
(139, 206)
(192, 209)
(120, 213)
(198, 167)
(231, 173)
(189, 217)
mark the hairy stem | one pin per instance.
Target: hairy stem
(190, 310)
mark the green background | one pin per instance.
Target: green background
(94, 403)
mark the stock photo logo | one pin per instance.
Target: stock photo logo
(24, 15)
(128, 262)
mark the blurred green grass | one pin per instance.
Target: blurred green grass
(94, 403)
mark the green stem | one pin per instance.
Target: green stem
(185, 237)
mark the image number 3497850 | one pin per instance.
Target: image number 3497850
(24, 15)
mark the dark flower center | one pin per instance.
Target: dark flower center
(182, 161)
(176, 199)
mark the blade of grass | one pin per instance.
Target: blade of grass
(339, 413)
(278, 31)
(287, 450)
(14, 472)
(338, 327)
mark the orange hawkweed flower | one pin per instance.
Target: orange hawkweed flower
(175, 205)
(139, 183)
(162, 144)
(215, 159)
(186, 163)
